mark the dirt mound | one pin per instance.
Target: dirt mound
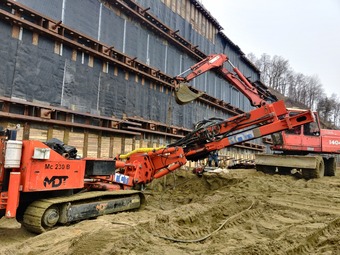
(240, 212)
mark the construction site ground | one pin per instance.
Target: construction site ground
(239, 211)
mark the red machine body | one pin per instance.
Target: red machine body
(44, 169)
(330, 141)
(308, 138)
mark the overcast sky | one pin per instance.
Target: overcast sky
(305, 32)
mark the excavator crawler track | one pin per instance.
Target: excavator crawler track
(46, 214)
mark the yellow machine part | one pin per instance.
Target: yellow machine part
(185, 95)
(140, 150)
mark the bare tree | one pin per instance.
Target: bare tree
(336, 109)
(325, 107)
(263, 64)
(274, 71)
(277, 77)
(277, 74)
(251, 56)
(295, 81)
(314, 90)
(336, 119)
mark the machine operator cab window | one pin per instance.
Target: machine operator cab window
(310, 129)
(295, 130)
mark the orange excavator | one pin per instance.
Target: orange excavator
(306, 151)
(45, 184)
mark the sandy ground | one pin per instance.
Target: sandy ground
(240, 212)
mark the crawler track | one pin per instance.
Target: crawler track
(45, 214)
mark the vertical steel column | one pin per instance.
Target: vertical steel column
(63, 11)
(166, 58)
(99, 21)
(124, 36)
(147, 50)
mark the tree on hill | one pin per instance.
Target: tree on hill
(277, 74)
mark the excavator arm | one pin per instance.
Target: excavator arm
(238, 80)
(142, 166)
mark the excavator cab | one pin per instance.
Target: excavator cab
(305, 138)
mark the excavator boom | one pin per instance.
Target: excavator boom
(215, 61)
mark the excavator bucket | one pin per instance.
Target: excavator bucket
(185, 95)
